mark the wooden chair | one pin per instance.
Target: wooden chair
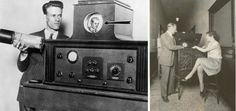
(211, 85)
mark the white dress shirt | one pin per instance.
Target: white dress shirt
(48, 33)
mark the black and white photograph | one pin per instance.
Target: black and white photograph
(74, 55)
(192, 55)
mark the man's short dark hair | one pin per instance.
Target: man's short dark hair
(171, 24)
(52, 4)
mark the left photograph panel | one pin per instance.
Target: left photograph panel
(88, 55)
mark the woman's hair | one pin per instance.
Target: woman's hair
(213, 34)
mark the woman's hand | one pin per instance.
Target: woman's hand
(194, 47)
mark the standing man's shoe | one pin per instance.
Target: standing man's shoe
(165, 99)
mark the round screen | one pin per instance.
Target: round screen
(93, 22)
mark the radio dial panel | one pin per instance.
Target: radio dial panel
(96, 67)
(113, 65)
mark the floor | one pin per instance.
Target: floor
(190, 100)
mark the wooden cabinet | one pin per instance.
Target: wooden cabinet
(186, 59)
(58, 98)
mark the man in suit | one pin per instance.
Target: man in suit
(31, 61)
(167, 61)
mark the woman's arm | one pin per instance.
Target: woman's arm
(206, 49)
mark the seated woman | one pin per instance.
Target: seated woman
(211, 65)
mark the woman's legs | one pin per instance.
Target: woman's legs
(200, 77)
(195, 67)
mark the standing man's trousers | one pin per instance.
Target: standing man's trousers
(167, 80)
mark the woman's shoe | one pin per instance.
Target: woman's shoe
(203, 93)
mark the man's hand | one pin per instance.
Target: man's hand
(180, 46)
(20, 45)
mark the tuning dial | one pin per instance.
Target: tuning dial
(72, 75)
(72, 56)
(59, 56)
(129, 80)
(130, 59)
(115, 70)
(59, 74)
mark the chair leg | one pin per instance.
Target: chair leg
(179, 89)
(218, 99)
(205, 96)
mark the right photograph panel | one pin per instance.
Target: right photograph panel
(192, 55)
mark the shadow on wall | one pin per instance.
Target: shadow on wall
(63, 27)
(153, 67)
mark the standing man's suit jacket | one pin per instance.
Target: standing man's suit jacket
(33, 65)
(168, 46)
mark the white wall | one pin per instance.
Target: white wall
(26, 16)
(157, 18)
(200, 16)
(140, 27)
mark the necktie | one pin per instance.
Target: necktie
(50, 37)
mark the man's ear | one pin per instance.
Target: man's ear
(46, 17)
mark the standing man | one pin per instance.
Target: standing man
(31, 61)
(167, 61)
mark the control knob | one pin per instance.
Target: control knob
(115, 70)
(130, 59)
(129, 80)
(72, 75)
(59, 56)
(59, 74)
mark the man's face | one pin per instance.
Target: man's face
(54, 17)
(173, 29)
(95, 23)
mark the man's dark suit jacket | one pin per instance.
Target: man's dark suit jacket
(33, 65)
